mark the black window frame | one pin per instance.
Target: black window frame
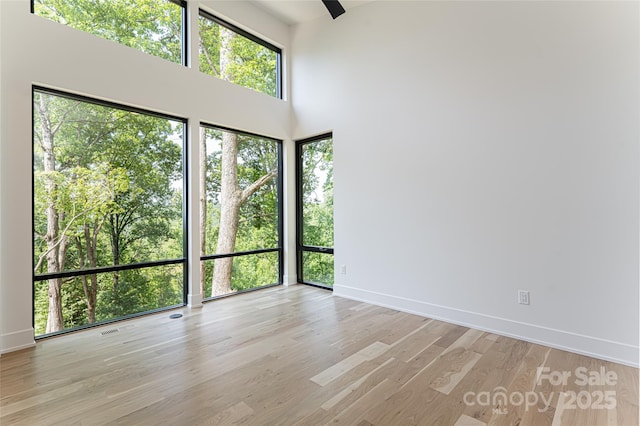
(184, 35)
(184, 260)
(208, 15)
(300, 246)
(280, 211)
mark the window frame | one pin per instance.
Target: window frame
(280, 211)
(256, 39)
(301, 248)
(184, 260)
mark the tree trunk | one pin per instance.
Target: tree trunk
(91, 241)
(89, 295)
(230, 200)
(231, 196)
(55, 321)
(226, 53)
(114, 221)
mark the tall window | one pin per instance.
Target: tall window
(240, 211)
(156, 27)
(108, 211)
(234, 55)
(314, 204)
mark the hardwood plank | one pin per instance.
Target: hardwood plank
(465, 420)
(457, 367)
(356, 412)
(366, 354)
(352, 388)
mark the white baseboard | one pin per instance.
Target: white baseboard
(289, 279)
(617, 352)
(194, 300)
(17, 340)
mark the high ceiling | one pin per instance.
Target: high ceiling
(297, 11)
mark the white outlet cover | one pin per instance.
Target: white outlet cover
(523, 297)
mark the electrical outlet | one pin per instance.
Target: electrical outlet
(343, 269)
(523, 297)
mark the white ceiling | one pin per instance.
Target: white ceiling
(296, 11)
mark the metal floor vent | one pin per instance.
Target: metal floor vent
(111, 331)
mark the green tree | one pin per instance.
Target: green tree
(317, 209)
(75, 198)
(255, 216)
(107, 180)
(236, 59)
(152, 26)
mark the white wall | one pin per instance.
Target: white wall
(482, 148)
(38, 51)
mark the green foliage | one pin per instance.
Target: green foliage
(258, 222)
(118, 194)
(318, 268)
(116, 185)
(252, 65)
(40, 306)
(140, 290)
(317, 210)
(152, 26)
(317, 193)
(248, 272)
(258, 226)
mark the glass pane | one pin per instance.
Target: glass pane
(230, 56)
(317, 268)
(317, 193)
(100, 297)
(233, 274)
(152, 26)
(242, 193)
(107, 186)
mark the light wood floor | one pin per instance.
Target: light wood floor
(298, 355)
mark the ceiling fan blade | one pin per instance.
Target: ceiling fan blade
(334, 7)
